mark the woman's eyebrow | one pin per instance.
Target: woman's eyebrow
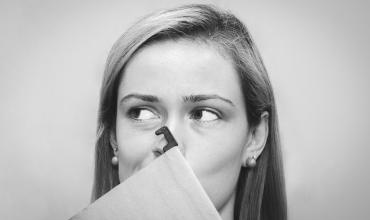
(147, 98)
(191, 98)
(199, 98)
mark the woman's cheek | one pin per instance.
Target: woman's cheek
(216, 162)
(134, 151)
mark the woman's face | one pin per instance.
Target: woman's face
(195, 91)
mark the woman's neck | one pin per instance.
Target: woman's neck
(227, 210)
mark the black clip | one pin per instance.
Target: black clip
(171, 142)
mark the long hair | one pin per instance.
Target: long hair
(260, 191)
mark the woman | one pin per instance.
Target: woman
(196, 70)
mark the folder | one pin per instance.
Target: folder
(166, 189)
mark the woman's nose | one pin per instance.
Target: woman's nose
(158, 146)
(178, 129)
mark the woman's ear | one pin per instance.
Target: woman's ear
(113, 142)
(257, 140)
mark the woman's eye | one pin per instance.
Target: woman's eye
(204, 115)
(141, 114)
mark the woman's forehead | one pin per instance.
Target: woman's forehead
(183, 66)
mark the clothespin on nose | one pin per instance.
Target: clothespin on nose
(171, 142)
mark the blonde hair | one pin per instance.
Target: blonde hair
(260, 190)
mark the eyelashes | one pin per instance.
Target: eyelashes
(142, 114)
(205, 115)
(200, 115)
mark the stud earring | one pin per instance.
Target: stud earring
(115, 158)
(251, 162)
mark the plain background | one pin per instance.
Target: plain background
(52, 56)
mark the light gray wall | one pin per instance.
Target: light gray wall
(52, 56)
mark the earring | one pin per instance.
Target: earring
(115, 158)
(251, 162)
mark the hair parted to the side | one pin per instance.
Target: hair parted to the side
(260, 192)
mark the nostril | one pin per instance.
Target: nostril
(157, 152)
